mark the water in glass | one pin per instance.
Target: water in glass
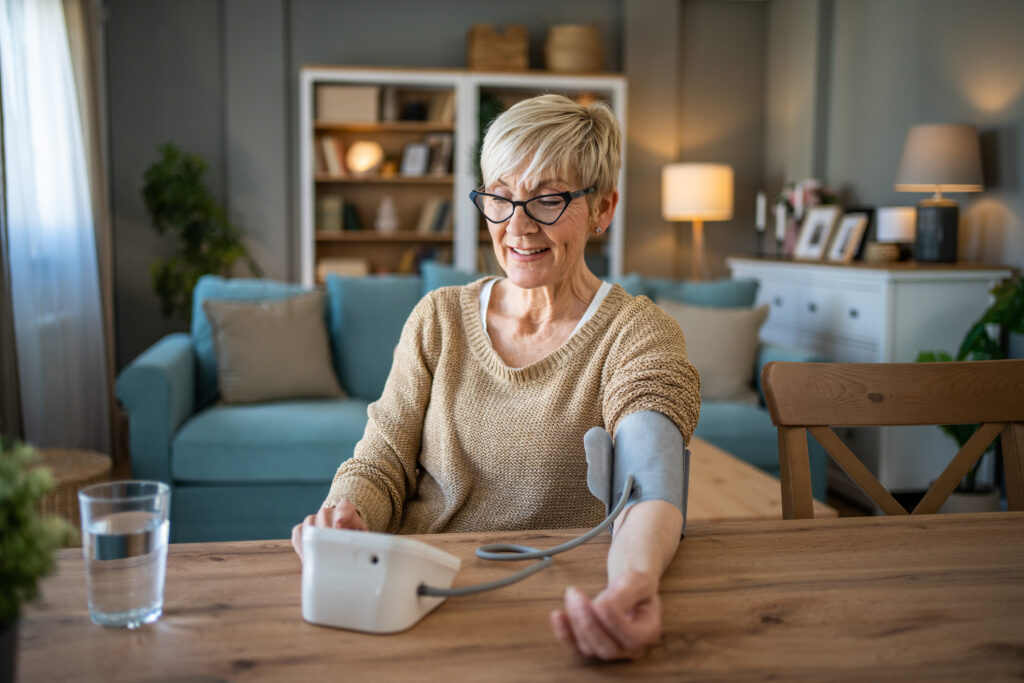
(125, 558)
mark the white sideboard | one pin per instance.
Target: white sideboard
(874, 314)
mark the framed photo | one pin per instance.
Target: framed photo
(415, 157)
(816, 232)
(848, 237)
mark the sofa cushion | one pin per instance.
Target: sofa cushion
(272, 350)
(747, 432)
(722, 344)
(633, 283)
(216, 287)
(724, 293)
(284, 442)
(743, 430)
(436, 275)
(365, 320)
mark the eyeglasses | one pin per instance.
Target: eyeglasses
(545, 208)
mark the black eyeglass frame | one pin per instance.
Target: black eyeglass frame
(567, 197)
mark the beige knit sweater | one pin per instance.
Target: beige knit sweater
(459, 441)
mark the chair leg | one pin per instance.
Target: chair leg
(1013, 465)
(795, 474)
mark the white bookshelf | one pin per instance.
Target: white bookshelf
(466, 238)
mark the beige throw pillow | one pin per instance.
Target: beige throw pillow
(272, 350)
(722, 344)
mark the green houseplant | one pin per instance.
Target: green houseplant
(983, 341)
(27, 541)
(178, 200)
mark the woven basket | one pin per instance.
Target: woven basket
(72, 470)
(573, 48)
(493, 50)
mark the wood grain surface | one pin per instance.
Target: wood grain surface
(724, 487)
(870, 598)
(813, 397)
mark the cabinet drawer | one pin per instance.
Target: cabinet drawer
(847, 314)
(783, 301)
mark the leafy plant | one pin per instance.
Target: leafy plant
(178, 200)
(983, 341)
(27, 541)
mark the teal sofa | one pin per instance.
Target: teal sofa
(242, 472)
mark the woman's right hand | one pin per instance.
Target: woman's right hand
(342, 516)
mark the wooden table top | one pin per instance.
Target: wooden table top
(871, 598)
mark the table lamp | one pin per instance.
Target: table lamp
(364, 157)
(939, 158)
(698, 193)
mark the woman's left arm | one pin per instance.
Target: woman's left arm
(624, 619)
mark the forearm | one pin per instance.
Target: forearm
(645, 540)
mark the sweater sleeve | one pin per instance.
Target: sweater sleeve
(382, 473)
(648, 370)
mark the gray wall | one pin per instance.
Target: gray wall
(722, 114)
(782, 90)
(896, 64)
(220, 79)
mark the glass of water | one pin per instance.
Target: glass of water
(124, 542)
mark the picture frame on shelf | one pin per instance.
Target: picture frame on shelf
(816, 231)
(415, 157)
(848, 237)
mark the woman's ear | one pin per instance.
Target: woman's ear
(604, 209)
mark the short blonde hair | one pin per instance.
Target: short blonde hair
(550, 136)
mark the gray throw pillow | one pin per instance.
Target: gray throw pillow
(272, 350)
(722, 344)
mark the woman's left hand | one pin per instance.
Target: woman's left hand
(620, 623)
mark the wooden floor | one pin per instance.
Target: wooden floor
(847, 508)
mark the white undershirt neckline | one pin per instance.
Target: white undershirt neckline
(595, 303)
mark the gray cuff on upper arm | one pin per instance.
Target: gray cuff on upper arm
(648, 446)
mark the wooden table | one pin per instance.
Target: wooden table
(723, 486)
(869, 598)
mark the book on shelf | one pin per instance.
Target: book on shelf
(443, 219)
(350, 217)
(329, 213)
(348, 103)
(345, 267)
(440, 153)
(334, 155)
(428, 214)
(442, 107)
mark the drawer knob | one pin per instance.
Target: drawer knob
(854, 313)
(812, 307)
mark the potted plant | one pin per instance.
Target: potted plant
(983, 341)
(178, 200)
(27, 541)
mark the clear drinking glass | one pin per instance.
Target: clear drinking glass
(124, 541)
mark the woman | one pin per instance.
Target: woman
(493, 385)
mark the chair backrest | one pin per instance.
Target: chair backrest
(814, 397)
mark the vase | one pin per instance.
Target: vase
(987, 499)
(8, 651)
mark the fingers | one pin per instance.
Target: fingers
(592, 639)
(563, 631)
(621, 623)
(345, 516)
(297, 534)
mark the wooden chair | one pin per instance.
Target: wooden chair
(814, 397)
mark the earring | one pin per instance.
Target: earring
(598, 230)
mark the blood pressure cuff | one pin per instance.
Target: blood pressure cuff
(647, 445)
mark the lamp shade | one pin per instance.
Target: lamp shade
(939, 157)
(696, 192)
(895, 224)
(364, 157)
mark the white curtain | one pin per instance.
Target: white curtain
(58, 318)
